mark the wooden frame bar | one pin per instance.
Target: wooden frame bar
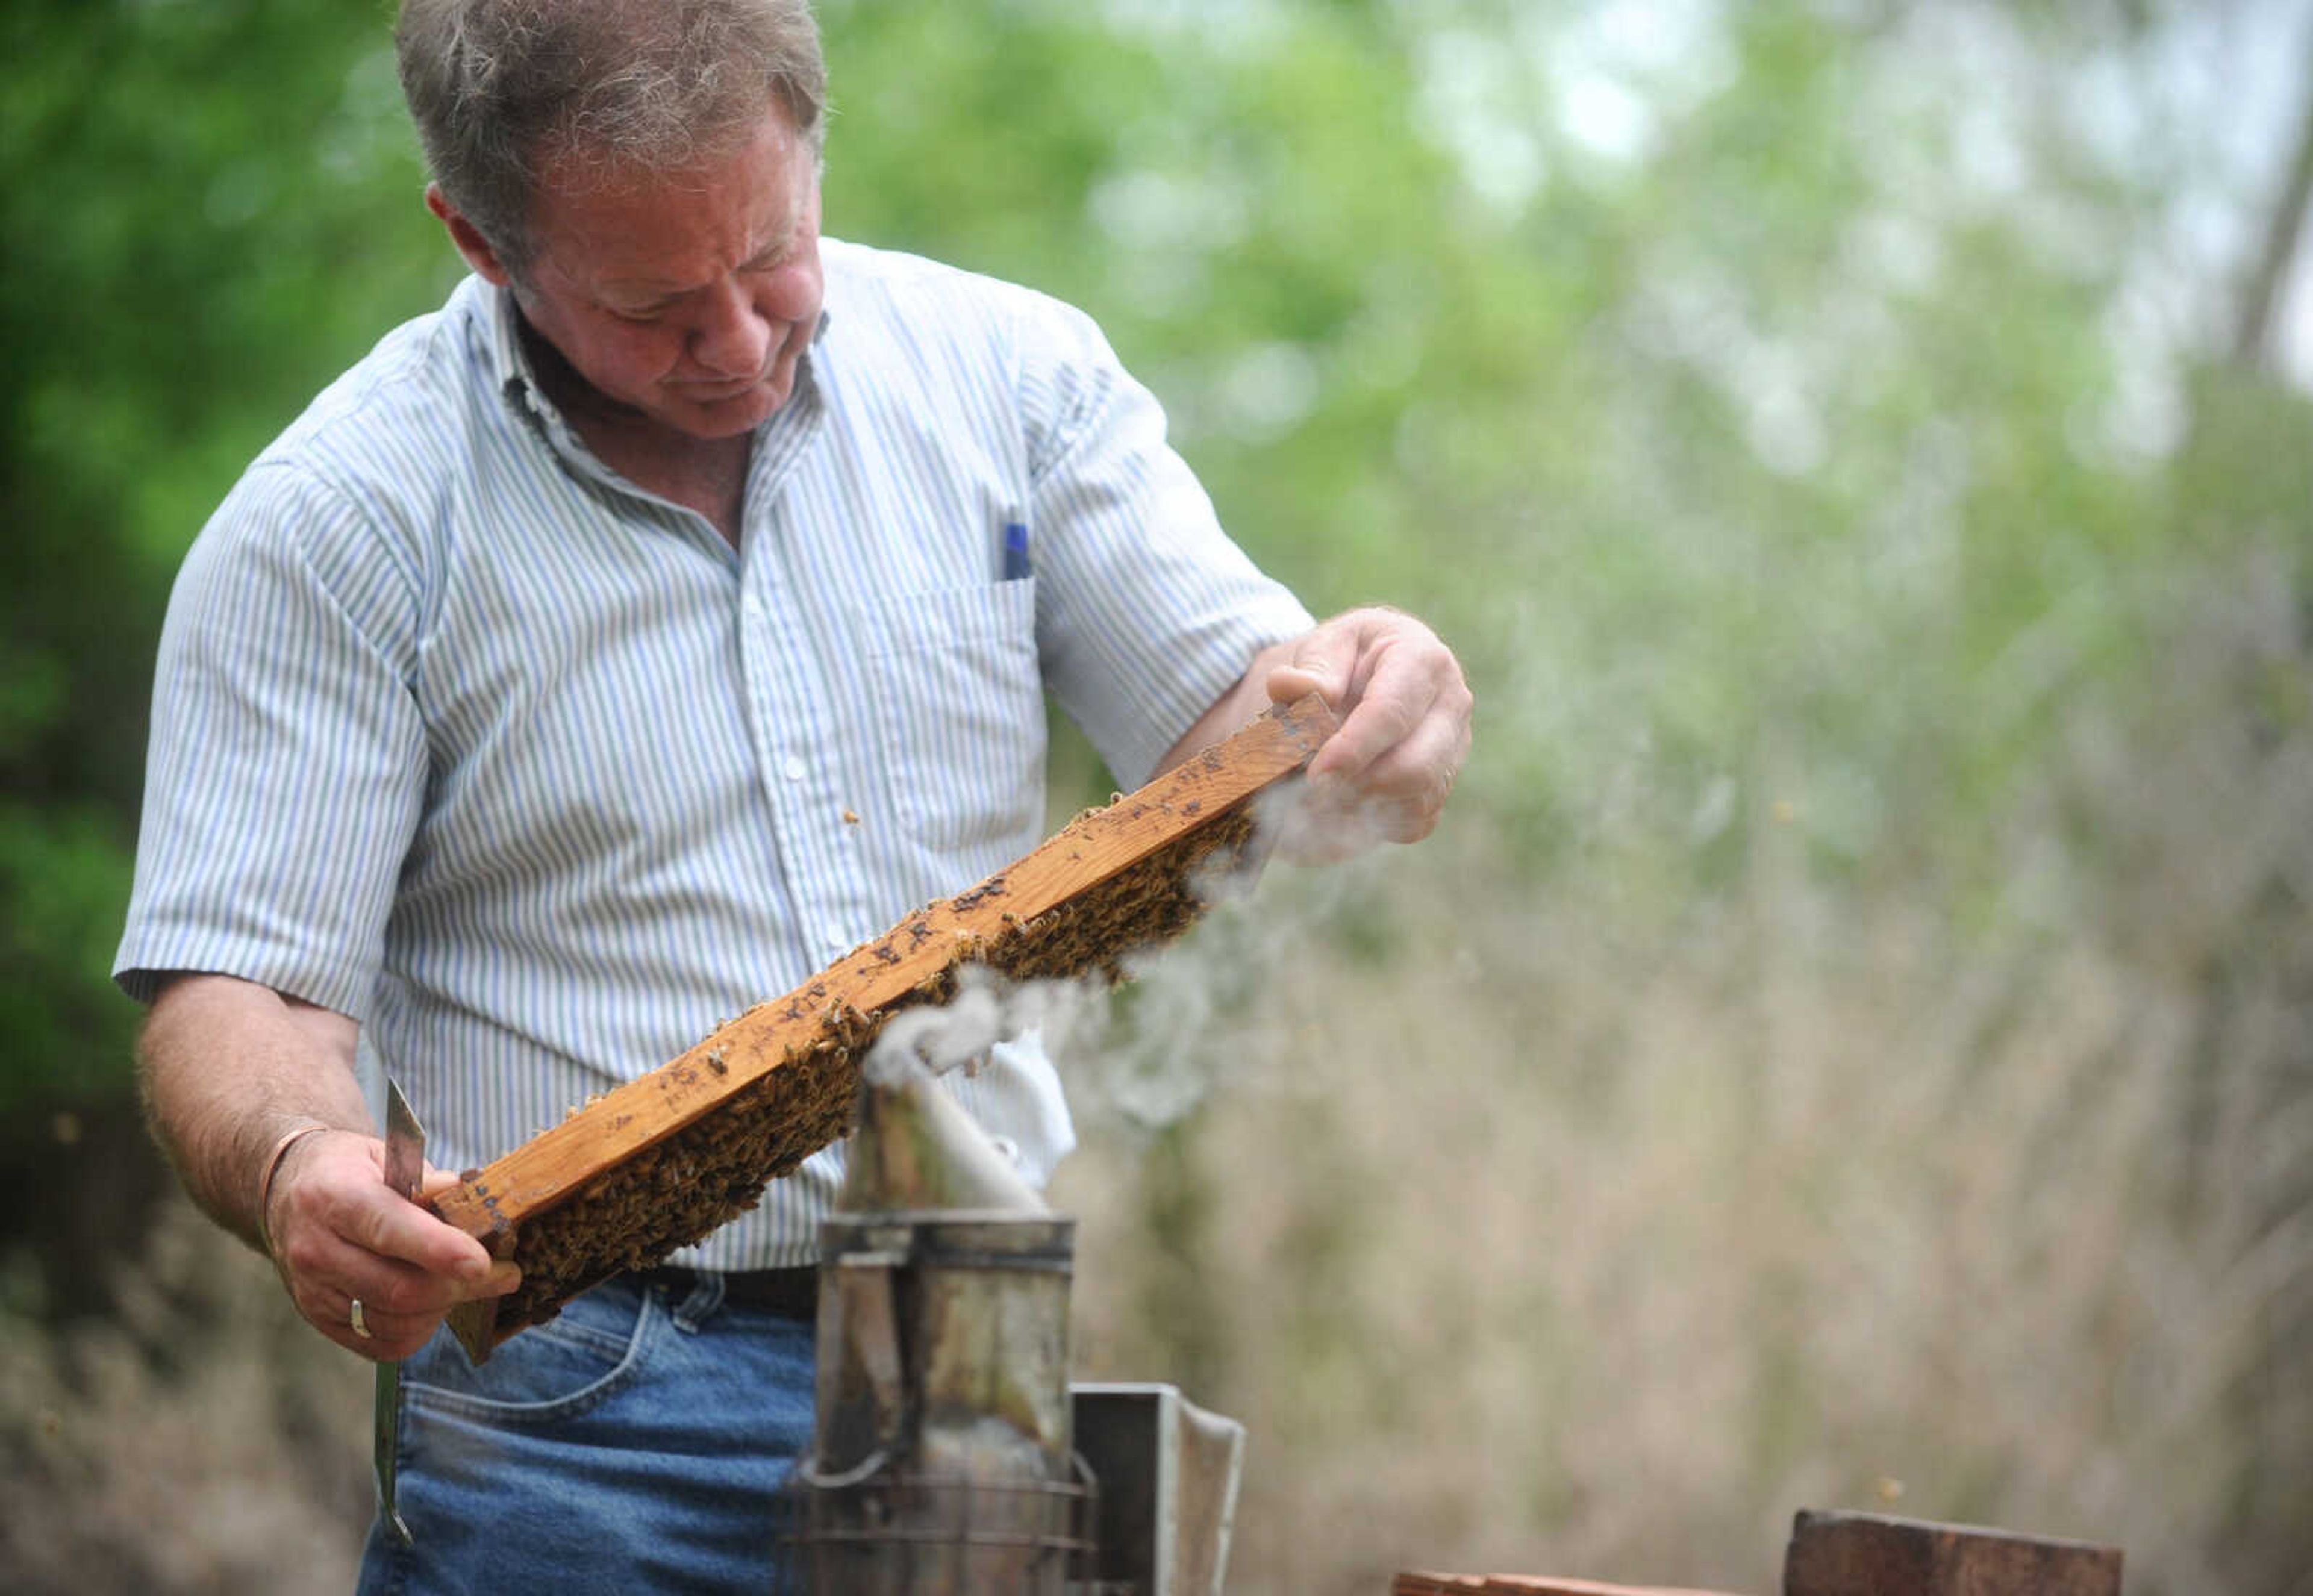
(661, 1161)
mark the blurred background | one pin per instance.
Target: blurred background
(1850, 1043)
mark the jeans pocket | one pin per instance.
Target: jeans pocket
(960, 701)
(550, 1371)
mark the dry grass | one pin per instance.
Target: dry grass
(204, 1441)
(1523, 1256)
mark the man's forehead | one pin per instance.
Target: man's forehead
(660, 229)
(616, 256)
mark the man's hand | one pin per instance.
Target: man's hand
(230, 1067)
(340, 1235)
(1406, 729)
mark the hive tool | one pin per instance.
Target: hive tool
(405, 1173)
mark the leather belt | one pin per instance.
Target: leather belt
(791, 1294)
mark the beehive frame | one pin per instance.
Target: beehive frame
(660, 1161)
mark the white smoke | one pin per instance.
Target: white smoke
(1142, 1058)
(986, 1009)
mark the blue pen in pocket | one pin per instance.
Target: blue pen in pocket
(1015, 551)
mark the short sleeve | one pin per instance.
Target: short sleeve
(1146, 611)
(288, 762)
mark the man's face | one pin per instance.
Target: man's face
(687, 299)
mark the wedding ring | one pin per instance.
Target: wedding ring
(360, 1324)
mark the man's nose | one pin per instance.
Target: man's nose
(732, 338)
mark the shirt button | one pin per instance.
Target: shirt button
(753, 605)
(837, 943)
(794, 769)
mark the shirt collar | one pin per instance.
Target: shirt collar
(508, 362)
(511, 372)
(515, 380)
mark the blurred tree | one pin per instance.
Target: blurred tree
(210, 210)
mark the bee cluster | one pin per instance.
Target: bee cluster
(679, 1189)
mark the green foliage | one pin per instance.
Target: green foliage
(210, 209)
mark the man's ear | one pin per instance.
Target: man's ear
(469, 239)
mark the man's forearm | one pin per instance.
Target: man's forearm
(229, 1069)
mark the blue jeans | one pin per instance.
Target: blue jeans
(633, 1445)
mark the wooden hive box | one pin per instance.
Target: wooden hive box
(1856, 1553)
(658, 1162)
(1864, 1554)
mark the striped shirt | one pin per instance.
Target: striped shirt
(534, 775)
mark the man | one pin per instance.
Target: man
(607, 651)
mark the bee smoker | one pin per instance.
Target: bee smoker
(943, 1462)
(949, 1457)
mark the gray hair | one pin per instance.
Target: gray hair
(500, 89)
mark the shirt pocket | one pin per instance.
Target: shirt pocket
(958, 702)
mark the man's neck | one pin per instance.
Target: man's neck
(708, 475)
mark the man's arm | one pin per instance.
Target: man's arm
(230, 1069)
(1405, 728)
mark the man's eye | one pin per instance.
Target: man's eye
(639, 318)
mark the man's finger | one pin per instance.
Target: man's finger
(341, 1265)
(1399, 797)
(394, 1227)
(1405, 791)
(1396, 699)
(399, 1288)
(1322, 662)
(401, 1304)
(342, 1192)
(435, 1181)
(1409, 679)
(1384, 672)
(390, 1338)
